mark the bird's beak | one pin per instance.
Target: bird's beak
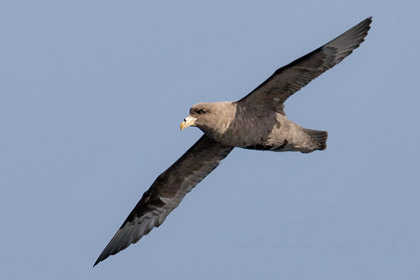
(188, 121)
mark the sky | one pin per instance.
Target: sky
(91, 97)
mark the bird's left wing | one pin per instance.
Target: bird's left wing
(166, 193)
(292, 77)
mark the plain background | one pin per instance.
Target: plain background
(91, 97)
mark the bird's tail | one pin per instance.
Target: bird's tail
(319, 136)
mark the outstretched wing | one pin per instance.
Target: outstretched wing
(167, 192)
(292, 77)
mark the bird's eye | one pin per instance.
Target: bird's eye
(200, 111)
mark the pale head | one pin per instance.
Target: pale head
(210, 117)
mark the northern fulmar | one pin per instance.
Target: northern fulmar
(256, 122)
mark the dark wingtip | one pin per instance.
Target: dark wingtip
(365, 23)
(368, 20)
(100, 258)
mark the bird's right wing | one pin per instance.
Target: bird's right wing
(166, 193)
(292, 77)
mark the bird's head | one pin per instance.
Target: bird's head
(200, 115)
(212, 118)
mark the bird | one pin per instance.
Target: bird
(256, 122)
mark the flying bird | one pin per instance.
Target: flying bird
(257, 121)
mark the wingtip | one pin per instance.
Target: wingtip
(368, 20)
(100, 258)
(97, 261)
(366, 23)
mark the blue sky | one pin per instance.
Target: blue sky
(91, 97)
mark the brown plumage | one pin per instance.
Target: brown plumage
(257, 121)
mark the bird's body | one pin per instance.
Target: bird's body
(257, 121)
(254, 127)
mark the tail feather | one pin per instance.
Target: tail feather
(319, 136)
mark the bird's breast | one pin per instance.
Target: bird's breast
(251, 128)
